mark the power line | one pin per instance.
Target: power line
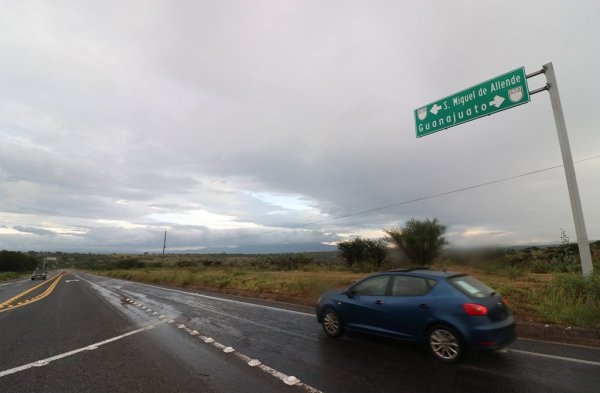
(410, 200)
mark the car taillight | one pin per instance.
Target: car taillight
(505, 301)
(475, 310)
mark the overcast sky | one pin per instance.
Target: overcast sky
(235, 123)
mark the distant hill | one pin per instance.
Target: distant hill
(264, 249)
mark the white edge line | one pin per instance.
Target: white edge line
(559, 343)
(230, 300)
(215, 298)
(13, 282)
(265, 368)
(543, 355)
(312, 315)
(46, 361)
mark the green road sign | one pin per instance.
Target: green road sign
(495, 95)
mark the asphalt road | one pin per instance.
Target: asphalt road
(95, 334)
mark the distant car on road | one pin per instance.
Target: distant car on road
(38, 273)
(451, 313)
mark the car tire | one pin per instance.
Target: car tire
(332, 325)
(445, 344)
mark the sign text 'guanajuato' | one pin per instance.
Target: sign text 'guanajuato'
(497, 94)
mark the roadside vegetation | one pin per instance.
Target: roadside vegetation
(16, 264)
(9, 276)
(420, 241)
(542, 284)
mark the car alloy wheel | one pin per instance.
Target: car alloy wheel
(331, 324)
(445, 344)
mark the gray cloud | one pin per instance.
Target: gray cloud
(35, 231)
(221, 120)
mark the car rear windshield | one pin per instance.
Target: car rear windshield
(471, 286)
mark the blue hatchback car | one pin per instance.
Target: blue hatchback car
(451, 313)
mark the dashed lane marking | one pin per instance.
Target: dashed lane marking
(45, 362)
(289, 380)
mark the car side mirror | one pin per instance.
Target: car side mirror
(350, 293)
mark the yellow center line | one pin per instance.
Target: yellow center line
(8, 306)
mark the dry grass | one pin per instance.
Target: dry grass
(533, 297)
(4, 276)
(305, 286)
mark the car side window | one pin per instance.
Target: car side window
(410, 286)
(375, 286)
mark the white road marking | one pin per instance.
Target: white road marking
(47, 361)
(218, 345)
(245, 320)
(223, 299)
(559, 343)
(543, 355)
(289, 380)
(11, 283)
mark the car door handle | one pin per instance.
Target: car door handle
(424, 306)
(378, 301)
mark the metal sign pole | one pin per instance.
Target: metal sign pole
(563, 139)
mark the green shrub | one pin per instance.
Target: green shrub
(540, 266)
(421, 241)
(287, 263)
(129, 263)
(571, 299)
(8, 276)
(363, 267)
(363, 251)
(511, 272)
(11, 261)
(184, 263)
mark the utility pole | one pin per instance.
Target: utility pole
(164, 246)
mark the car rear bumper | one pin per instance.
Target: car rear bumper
(493, 337)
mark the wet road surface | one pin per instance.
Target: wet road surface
(182, 341)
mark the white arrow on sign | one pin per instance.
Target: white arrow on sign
(497, 101)
(435, 109)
